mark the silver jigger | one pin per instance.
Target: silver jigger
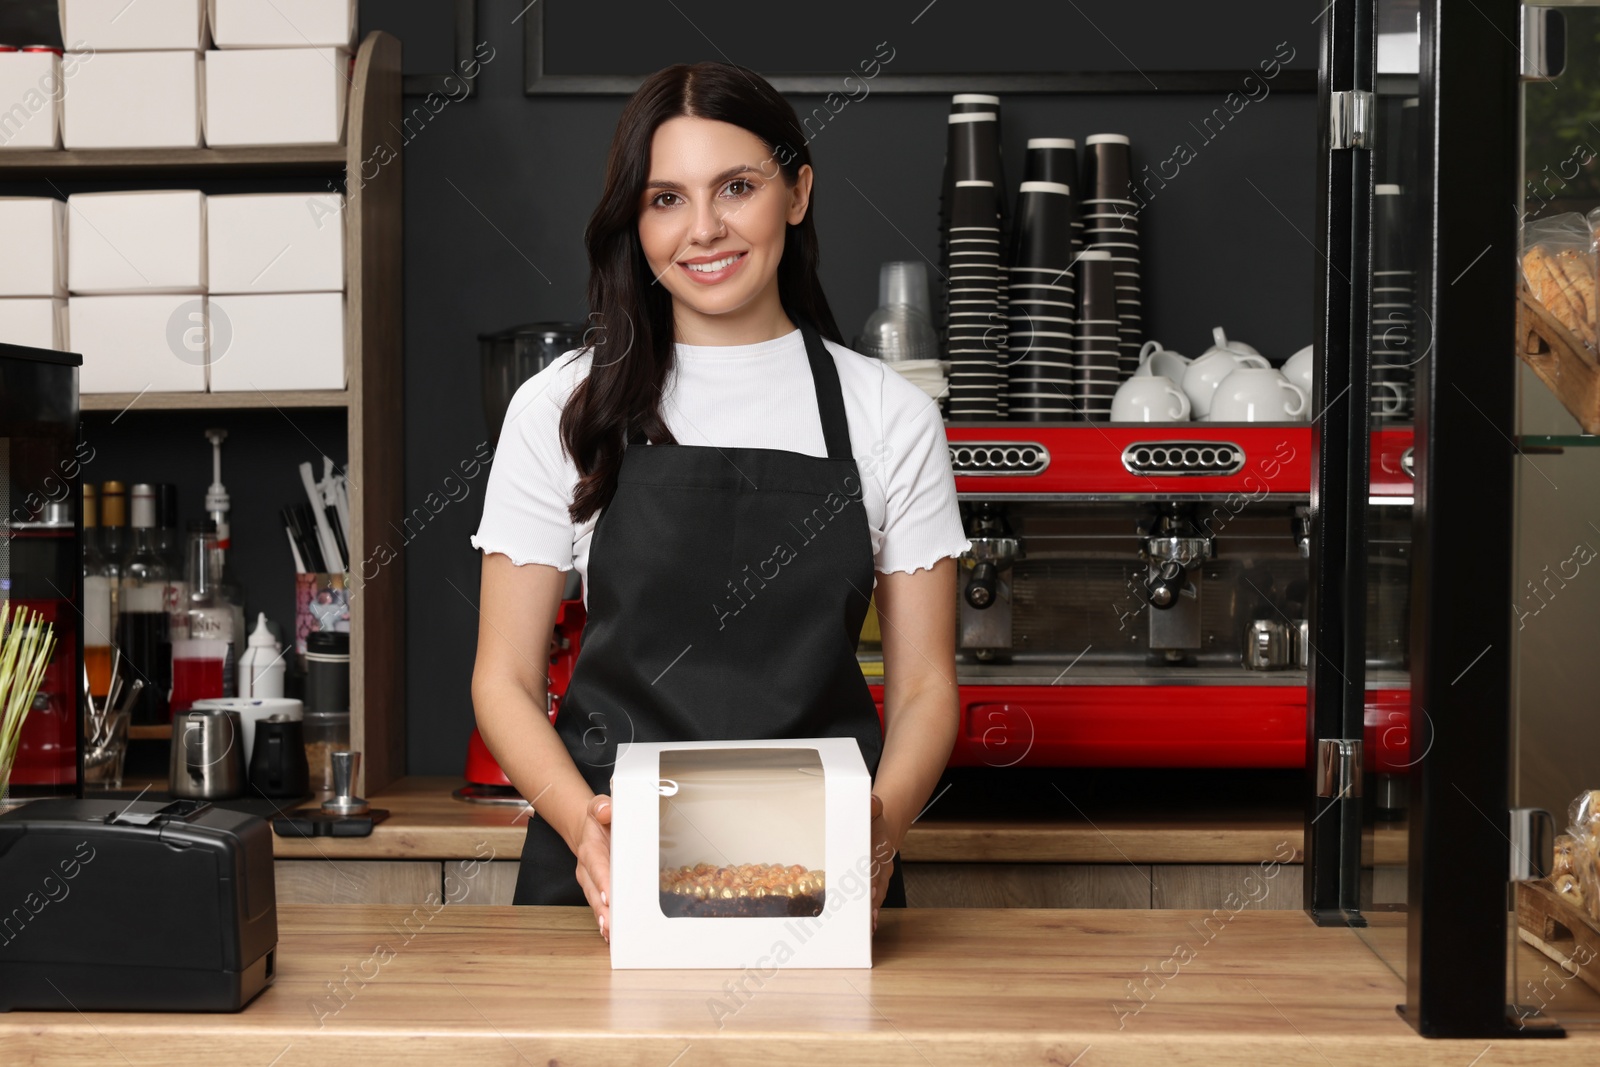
(344, 801)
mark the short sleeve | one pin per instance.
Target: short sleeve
(531, 480)
(922, 519)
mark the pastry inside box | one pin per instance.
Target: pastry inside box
(750, 889)
(728, 853)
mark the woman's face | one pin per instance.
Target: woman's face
(716, 197)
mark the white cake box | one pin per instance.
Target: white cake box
(277, 341)
(133, 100)
(134, 25)
(270, 96)
(33, 234)
(133, 343)
(38, 322)
(283, 23)
(275, 243)
(149, 242)
(31, 91)
(802, 803)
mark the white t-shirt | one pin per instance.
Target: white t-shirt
(736, 396)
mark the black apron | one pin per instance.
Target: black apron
(727, 588)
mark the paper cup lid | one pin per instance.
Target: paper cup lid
(974, 98)
(1052, 142)
(1106, 138)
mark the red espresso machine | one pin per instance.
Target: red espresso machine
(1134, 596)
(41, 557)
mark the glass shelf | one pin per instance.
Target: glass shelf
(1544, 440)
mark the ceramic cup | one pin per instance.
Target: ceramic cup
(1155, 360)
(1298, 367)
(1149, 398)
(1220, 340)
(1257, 394)
(1203, 375)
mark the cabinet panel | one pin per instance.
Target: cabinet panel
(358, 882)
(1027, 885)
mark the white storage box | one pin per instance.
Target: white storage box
(152, 242)
(277, 341)
(135, 25)
(38, 322)
(275, 243)
(33, 236)
(741, 854)
(132, 343)
(133, 100)
(283, 23)
(30, 99)
(267, 96)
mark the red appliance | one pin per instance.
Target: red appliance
(41, 559)
(1070, 523)
(1087, 504)
(486, 782)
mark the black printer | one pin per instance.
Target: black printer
(112, 905)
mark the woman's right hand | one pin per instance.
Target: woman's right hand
(594, 861)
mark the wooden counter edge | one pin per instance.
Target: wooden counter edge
(427, 823)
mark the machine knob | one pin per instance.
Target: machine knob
(980, 587)
(1166, 584)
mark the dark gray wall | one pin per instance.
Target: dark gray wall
(498, 189)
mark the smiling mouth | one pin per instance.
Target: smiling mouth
(712, 266)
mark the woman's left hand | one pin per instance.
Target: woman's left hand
(883, 850)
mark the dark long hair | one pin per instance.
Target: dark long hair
(631, 323)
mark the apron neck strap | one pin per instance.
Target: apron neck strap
(830, 397)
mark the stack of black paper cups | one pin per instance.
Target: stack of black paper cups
(1393, 292)
(1111, 224)
(1098, 373)
(1055, 159)
(972, 153)
(1041, 380)
(976, 325)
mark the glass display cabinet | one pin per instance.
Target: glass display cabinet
(1457, 487)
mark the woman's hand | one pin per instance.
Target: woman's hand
(883, 850)
(594, 861)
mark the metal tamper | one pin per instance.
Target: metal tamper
(344, 802)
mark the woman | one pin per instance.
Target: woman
(729, 486)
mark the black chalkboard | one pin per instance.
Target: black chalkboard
(922, 46)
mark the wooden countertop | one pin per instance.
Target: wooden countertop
(425, 822)
(509, 985)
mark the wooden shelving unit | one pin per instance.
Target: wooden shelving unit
(232, 401)
(373, 340)
(111, 162)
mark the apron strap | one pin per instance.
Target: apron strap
(830, 398)
(830, 395)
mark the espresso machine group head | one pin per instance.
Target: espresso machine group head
(986, 583)
(1174, 550)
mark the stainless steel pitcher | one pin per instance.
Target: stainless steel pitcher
(207, 754)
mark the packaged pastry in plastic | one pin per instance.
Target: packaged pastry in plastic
(1558, 261)
(1575, 859)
